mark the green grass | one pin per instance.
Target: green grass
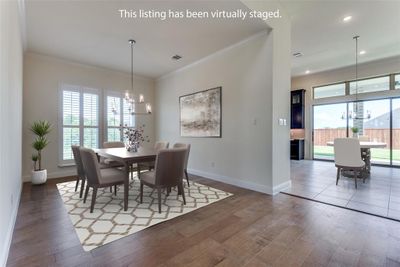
(379, 154)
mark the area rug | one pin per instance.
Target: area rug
(110, 222)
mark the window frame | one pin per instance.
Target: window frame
(81, 90)
(347, 88)
(118, 94)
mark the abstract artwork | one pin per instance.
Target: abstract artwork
(201, 113)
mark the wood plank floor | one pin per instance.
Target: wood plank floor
(248, 229)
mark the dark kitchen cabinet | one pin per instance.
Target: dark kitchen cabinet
(297, 149)
(297, 100)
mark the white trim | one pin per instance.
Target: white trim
(281, 187)
(243, 184)
(9, 234)
(22, 22)
(255, 36)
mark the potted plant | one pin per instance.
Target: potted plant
(41, 129)
(355, 131)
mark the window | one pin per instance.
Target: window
(330, 90)
(117, 116)
(80, 119)
(397, 81)
(370, 85)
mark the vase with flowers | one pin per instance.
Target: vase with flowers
(134, 137)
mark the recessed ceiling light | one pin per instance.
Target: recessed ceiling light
(307, 71)
(362, 52)
(347, 18)
(298, 54)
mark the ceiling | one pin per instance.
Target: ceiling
(318, 31)
(92, 32)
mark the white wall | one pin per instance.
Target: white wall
(370, 69)
(11, 52)
(244, 154)
(42, 75)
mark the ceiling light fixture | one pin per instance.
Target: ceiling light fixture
(130, 99)
(307, 71)
(362, 52)
(347, 18)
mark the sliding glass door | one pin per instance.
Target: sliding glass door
(374, 126)
(396, 131)
(373, 120)
(329, 123)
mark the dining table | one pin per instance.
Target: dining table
(127, 158)
(366, 147)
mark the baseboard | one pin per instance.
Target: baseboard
(4, 256)
(281, 187)
(51, 175)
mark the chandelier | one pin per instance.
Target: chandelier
(135, 105)
(355, 114)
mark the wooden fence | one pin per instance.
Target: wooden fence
(322, 136)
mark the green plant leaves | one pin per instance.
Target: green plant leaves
(41, 128)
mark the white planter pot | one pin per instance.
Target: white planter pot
(39, 177)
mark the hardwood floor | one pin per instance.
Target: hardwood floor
(248, 229)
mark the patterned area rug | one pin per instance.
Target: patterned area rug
(110, 222)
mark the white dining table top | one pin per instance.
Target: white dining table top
(366, 144)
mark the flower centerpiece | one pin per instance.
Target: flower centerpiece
(134, 137)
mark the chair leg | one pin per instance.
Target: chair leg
(141, 193)
(115, 190)
(111, 189)
(182, 192)
(93, 199)
(355, 178)
(86, 193)
(187, 178)
(337, 176)
(138, 171)
(159, 199)
(82, 188)
(77, 183)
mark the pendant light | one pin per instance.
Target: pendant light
(135, 104)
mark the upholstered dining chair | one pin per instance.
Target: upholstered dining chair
(79, 168)
(187, 147)
(96, 177)
(150, 165)
(167, 173)
(347, 153)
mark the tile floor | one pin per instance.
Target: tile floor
(379, 195)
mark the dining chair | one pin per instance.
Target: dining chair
(150, 165)
(167, 173)
(187, 147)
(79, 168)
(96, 177)
(347, 153)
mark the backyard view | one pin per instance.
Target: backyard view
(334, 120)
